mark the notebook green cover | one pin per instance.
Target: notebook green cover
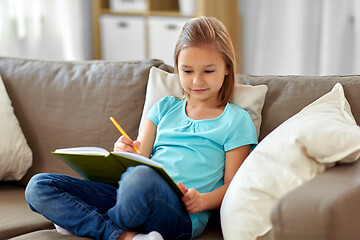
(98, 164)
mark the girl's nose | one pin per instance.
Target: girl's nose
(197, 79)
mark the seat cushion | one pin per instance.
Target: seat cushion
(16, 216)
(47, 234)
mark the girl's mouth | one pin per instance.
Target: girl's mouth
(199, 90)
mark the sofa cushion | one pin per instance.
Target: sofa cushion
(15, 154)
(323, 132)
(68, 104)
(16, 216)
(48, 234)
(327, 207)
(287, 95)
(161, 84)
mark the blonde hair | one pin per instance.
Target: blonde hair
(208, 31)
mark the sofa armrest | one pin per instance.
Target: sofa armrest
(327, 207)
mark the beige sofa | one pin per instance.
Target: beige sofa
(68, 104)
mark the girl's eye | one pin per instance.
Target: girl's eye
(209, 71)
(187, 71)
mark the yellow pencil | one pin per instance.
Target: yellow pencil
(122, 131)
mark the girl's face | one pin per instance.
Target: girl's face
(201, 71)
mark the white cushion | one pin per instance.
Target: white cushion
(15, 154)
(161, 84)
(322, 133)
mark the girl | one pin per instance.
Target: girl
(200, 139)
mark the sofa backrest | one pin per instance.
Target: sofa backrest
(287, 95)
(68, 104)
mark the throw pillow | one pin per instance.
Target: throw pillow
(161, 84)
(15, 154)
(295, 152)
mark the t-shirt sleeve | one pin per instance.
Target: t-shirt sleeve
(153, 114)
(242, 131)
(159, 109)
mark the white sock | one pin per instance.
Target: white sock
(150, 236)
(62, 230)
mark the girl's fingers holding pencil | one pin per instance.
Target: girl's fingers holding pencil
(125, 140)
(123, 144)
(136, 144)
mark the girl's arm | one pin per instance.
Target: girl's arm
(146, 138)
(196, 202)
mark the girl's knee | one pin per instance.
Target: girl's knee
(139, 175)
(35, 187)
(140, 178)
(142, 170)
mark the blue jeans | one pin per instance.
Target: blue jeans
(142, 202)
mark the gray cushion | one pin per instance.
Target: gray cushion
(68, 104)
(48, 234)
(326, 207)
(16, 216)
(287, 95)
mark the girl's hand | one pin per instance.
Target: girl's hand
(123, 144)
(192, 199)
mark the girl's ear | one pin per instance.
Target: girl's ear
(227, 71)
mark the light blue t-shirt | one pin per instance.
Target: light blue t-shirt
(193, 151)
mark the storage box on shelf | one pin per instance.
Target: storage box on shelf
(163, 34)
(226, 11)
(126, 5)
(118, 33)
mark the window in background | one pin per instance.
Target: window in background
(56, 29)
(305, 37)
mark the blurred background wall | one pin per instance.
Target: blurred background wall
(311, 37)
(47, 29)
